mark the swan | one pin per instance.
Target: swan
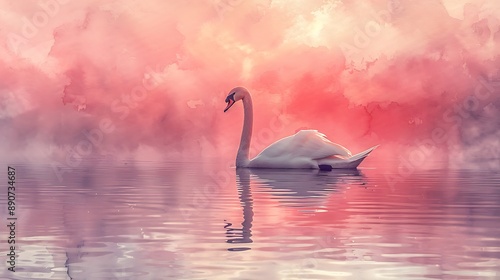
(305, 149)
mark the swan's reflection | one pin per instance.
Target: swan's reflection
(243, 234)
(302, 187)
(292, 187)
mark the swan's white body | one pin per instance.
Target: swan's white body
(305, 149)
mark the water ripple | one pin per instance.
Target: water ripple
(180, 221)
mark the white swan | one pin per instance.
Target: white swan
(305, 149)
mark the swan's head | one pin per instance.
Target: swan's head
(235, 94)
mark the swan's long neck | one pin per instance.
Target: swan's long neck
(242, 159)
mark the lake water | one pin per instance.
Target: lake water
(139, 220)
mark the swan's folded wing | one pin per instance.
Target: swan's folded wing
(313, 144)
(305, 143)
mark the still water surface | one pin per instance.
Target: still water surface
(210, 221)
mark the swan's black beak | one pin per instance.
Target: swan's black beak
(229, 104)
(230, 101)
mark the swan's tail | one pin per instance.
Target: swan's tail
(347, 163)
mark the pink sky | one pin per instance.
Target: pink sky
(147, 78)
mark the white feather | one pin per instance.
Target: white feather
(305, 149)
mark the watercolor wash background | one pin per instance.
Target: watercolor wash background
(87, 80)
(146, 79)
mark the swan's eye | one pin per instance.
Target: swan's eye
(230, 97)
